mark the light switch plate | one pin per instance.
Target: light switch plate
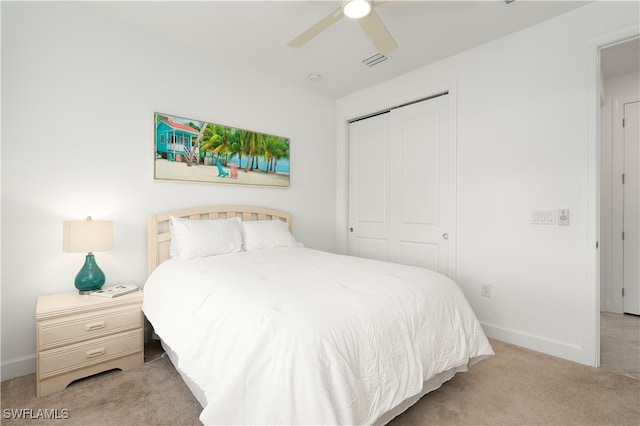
(543, 217)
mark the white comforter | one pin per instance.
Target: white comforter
(299, 336)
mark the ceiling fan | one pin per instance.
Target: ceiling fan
(361, 10)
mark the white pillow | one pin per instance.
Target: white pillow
(200, 238)
(260, 234)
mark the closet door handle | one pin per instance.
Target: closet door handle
(445, 236)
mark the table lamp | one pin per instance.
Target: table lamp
(87, 236)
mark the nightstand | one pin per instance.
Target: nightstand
(81, 335)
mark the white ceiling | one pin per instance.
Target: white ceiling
(255, 34)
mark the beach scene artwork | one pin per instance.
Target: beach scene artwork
(199, 151)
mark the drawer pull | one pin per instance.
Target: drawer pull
(95, 352)
(95, 325)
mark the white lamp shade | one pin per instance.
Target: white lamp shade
(84, 236)
(356, 9)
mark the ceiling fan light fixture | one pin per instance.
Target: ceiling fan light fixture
(356, 9)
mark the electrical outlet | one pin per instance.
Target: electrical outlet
(485, 290)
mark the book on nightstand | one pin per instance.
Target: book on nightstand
(115, 291)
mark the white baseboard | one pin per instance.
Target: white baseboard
(18, 367)
(555, 348)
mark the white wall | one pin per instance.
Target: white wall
(615, 90)
(522, 130)
(78, 95)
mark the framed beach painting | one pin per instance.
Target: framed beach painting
(199, 151)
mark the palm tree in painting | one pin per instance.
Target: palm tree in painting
(243, 146)
(252, 149)
(269, 148)
(259, 150)
(224, 148)
(210, 138)
(275, 148)
(194, 145)
(236, 145)
(281, 151)
(221, 140)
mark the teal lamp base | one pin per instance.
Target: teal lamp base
(90, 277)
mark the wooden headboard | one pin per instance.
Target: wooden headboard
(159, 238)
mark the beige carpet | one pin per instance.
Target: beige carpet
(517, 386)
(620, 343)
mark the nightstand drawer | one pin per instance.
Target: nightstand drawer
(77, 328)
(79, 355)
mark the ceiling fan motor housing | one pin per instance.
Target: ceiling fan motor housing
(356, 9)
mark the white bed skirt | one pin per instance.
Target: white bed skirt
(428, 386)
(195, 390)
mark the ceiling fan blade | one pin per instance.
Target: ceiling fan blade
(378, 33)
(317, 28)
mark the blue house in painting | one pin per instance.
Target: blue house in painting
(174, 140)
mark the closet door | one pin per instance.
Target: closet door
(419, 193)
(399, 185)
(369, 186)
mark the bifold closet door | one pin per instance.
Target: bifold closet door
(399, 185)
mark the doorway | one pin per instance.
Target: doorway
(619, 195)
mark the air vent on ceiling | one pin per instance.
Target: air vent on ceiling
(374, 60)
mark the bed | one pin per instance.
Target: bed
(266, 331)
